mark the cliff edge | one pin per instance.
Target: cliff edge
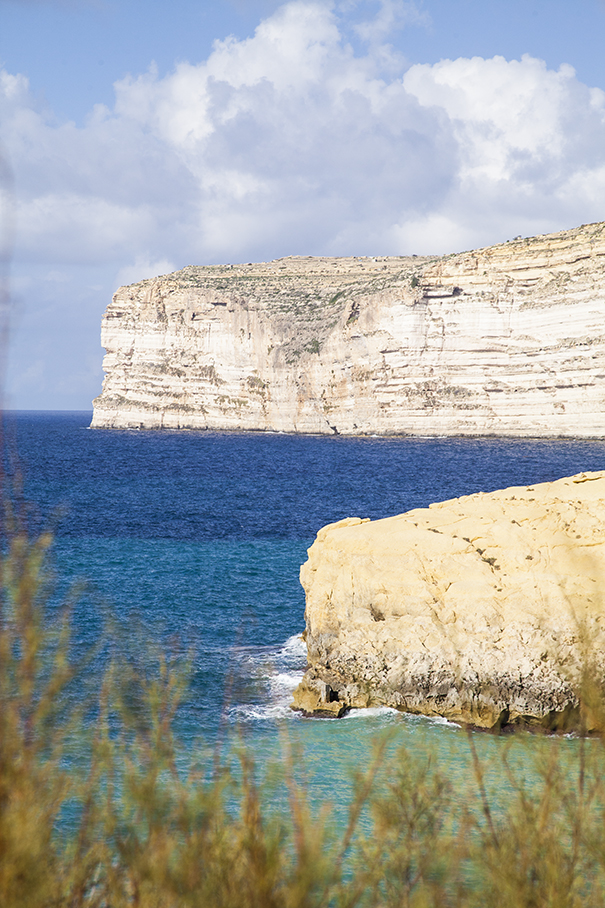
(505, 340)
(482, 609)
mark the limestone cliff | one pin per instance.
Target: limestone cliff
(481, 609)
(504, 340)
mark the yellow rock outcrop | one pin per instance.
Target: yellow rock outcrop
(482, 609)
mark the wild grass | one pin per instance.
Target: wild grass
(100, 807)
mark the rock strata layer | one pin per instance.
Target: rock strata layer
(482, 609)
(503, 340)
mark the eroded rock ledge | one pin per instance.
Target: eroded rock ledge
(481, 609)
(507, 340)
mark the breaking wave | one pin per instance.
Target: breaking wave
(266, 677)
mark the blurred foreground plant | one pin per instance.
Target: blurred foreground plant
(99, 807)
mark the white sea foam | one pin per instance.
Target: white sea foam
(431, 720)
(271, 711)
(286, 681)
(371, 711)
(295, 646)
(274, 672)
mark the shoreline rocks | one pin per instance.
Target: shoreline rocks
(482, 609)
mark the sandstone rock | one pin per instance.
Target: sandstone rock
(316, 698)
(481, 609)
(506, 340)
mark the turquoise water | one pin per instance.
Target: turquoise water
(194, 541)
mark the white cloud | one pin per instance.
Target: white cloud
(504, 112)
(289, 142)
(292, 142)
(143, 267)
(98, 228)
(530, 141)
(433, 233)
(284, 142)
(392, 16)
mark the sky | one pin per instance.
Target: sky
(140, 136)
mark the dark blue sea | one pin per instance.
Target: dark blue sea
(194, 541)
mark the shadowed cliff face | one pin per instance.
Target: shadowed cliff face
(505, 340)
(483, 609)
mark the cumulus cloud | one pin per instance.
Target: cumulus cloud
(530, 142)
(311, 136)
(292, 142)
(392, 16)
(144, 266)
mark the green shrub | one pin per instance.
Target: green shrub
(100, 809)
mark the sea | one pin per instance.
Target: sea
(192, 542)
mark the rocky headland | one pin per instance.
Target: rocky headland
(507, 340)
(483, 609)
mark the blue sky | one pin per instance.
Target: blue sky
(144, 136)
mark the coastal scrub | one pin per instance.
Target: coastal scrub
(101, 806)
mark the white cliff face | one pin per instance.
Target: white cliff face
(506, 340)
